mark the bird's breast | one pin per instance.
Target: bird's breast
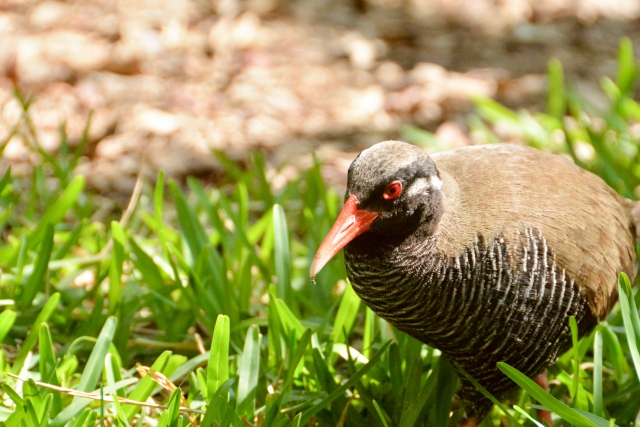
(496, 301)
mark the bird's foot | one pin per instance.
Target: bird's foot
(544, 416)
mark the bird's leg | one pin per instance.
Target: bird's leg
(543, 414)
(468, 423)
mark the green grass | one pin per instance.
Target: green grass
(209, 288)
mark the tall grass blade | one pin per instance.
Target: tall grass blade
(189, 366)
(115, 268)
(7, 319)
(56, 212)
(556, 101)
(411, 387)
(282, 255)
(443, 386)
(289, 322)
(145, 387)
(380, 414)
(626, 66)
(149, 270)
(275, 347)
(248, 372)
(306, 416)
(630, 319)
(6, 178)
(170, 416)
(71, 241)
(189, 224)
(527, 416)
(369, 331)
(158, 199)
(90, 374)
(46, 312)
(218, 369)
(37, 279)
(273, 407)
(221, 414)
(48, 366)
(31, 417)
(210, 284)
(346, 316)
(578, 393)
(565, 412)
(488, 395)
(612, 352)
(597, 374)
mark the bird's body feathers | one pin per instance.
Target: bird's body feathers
(484, 253)
(504, 189)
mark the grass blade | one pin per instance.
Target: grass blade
(556, 101)
(306, 416)
(369, 331)
(248, 372)
(6, 178)
(578, 393)
(220, 413)
(189, 224)
(7, 319)
(273, 408)
(149, 270)
(56, 212)
(145, 387)
(597, 374)
(37, 279)
(527, 416)
(48, 365)
(630, 319)
(282, 255)
(287, 319)
(488, 395)
(346, 316)
(613, 353)
(32, 337)
(170, 416)
(565, 412)
(90, 374)
(115, 268)
(380, 414)
(218, 369)
(443, 386)
(626, 66)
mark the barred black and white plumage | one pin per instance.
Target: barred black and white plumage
(484, 253)
(520, 288)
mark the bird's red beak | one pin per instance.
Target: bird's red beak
(350, 223)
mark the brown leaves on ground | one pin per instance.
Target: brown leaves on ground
(168, 81)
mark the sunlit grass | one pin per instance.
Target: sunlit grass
(209, 288)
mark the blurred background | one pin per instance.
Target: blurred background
(168, 81)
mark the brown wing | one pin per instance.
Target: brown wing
(503, 189)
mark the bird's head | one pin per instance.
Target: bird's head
(393, 189)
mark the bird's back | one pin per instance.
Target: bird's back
(503, 190)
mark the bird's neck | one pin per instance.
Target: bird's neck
(396, 277)
(418, 289)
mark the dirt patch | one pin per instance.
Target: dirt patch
(169, 81)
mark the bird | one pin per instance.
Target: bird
(483, 252)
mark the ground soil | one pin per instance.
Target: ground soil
(168, 81)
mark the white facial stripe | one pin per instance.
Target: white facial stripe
(418, 187)
(436, 183)
(421, 184)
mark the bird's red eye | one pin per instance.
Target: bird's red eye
(393, 190)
